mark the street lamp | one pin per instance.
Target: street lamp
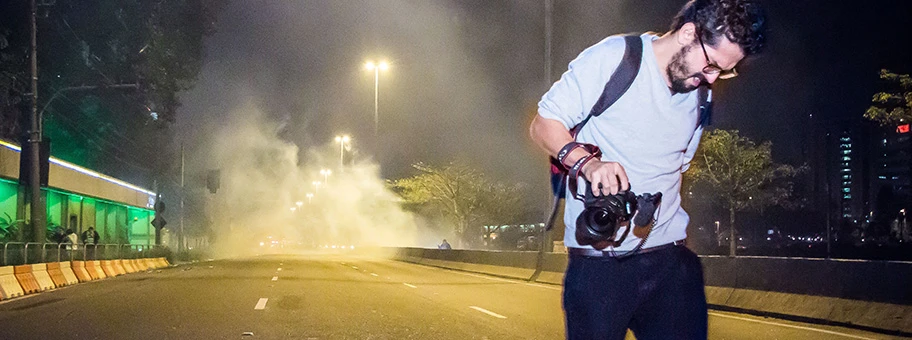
(342, 140)
(317, 184)
(382, 66)
(294, 208)
(310, 198)
(299, 203)
(325, 173)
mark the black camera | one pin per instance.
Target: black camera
(604, 215)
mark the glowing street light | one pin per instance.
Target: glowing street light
(325, 173)
(299, 203)
(294, 208)
(342, 140)
(310, 197)
(317, 184)
(382, 66)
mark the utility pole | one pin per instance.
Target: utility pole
(37, 202)
(180, 241)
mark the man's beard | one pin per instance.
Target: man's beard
(677, 72)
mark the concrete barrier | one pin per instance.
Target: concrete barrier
(107, 267)
(53, 270)
(26, 279)
(9, 285)
(39, 271)
(81, 273)
(118, 267)
(150, 264)
(870, 294)
(128, 266)
(68, 274)
(164, 262)
(99, 272)
(140, 265)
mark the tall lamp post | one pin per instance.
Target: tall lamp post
(325, 173)
(317, 185)
(342, 140)
(371, 66)
(310, 197)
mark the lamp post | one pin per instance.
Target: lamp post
(325, 173)
(310, 197)
(382, 66)
(342, 140)
(317, 185)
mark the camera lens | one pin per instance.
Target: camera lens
(603, 219)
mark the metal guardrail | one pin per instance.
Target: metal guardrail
(18, 253)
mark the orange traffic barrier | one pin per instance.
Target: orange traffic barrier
(26, 279)
(39, 271)
(149, 263)
(106, 266)
(141, 264)
(81, 273)
(118, 267)
(53, 269)
(98, 271)
(9, 286)
(128, 266)
(165, 262)
(68, 273)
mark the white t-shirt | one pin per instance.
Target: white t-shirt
(651, 132)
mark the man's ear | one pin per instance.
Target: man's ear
(687, 34)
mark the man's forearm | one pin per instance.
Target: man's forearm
(551, 136)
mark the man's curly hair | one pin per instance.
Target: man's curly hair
(741, 21)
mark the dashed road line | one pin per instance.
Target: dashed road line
(275, 278)
(412, 286)
(278, 270)
(374, 274)
(261, 304)
(488, 312)
(353, 267)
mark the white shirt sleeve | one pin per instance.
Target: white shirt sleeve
(571, 98)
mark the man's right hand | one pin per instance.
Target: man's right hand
(606, 177)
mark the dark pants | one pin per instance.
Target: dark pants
(657, 295)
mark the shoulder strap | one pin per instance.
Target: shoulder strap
(620, 80)
(705, 102)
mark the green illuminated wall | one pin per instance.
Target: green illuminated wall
(114, 222)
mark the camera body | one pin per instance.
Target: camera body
(604, 215)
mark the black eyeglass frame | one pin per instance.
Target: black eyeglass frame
(711, 67)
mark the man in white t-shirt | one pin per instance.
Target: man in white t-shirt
(647, 139)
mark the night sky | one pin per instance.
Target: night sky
(466, 75)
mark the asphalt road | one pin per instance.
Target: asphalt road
(329, 296)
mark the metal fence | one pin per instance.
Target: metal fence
(18, 253)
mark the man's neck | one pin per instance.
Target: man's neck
(664, 48)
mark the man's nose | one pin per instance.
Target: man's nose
(711, 78)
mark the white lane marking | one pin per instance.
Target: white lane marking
(791, 326)
(261, 304)
(413, 286)
(353, 267)
(281, 264)
(374, 274)
(275, 278)
(488, 312)
(280, 269)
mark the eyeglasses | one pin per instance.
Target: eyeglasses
(711, 67)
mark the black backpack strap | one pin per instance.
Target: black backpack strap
(705, 104)
(620, 80)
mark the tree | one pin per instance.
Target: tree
(741, 175)
(892, 108)
(93, 45)
(461, 195)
